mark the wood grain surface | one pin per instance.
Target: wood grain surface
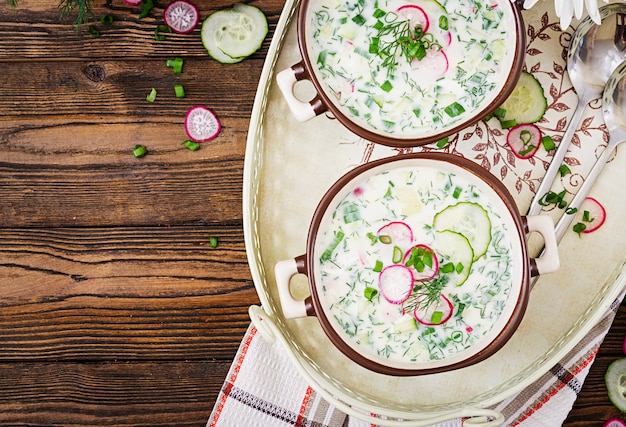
(114, 308)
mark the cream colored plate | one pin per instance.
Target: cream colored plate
(289, 166)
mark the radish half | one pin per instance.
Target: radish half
(592, 214)
(201, 124)
(524, 140)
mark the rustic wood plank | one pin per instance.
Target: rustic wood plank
(110, 393)
(123, 294)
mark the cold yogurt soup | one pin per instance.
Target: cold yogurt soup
(415, 264)
(411, 66)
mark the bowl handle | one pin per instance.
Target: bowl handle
(284, 271)
(302, 111)
(548, 261)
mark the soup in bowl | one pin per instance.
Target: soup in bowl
(417, 264)
(406, 72)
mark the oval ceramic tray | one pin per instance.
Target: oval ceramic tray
(289, 165)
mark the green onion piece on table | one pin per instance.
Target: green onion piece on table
(139, 151)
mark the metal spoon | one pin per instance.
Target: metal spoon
(614, 112)
(594, 52)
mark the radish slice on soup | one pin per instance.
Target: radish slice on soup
(435, 312)
(422, 261)
(397, 233)
(395, 283)
(416, 16)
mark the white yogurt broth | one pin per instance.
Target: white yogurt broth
(356, 45)
(381, 312)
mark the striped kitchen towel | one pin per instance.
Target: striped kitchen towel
(264, 389)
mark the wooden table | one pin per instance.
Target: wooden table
(114, 308)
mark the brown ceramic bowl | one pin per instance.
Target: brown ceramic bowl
(462, 75)
(373, 327)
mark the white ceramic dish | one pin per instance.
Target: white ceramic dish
(288, 167)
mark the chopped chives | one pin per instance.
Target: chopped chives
(139, 151)
(213, 242)
(370, 293)
(192, 145)
(179, 90)
(454, 109)
(159, 29)
(152, 95)
(387, 86)
(564, 170)
(176, 64)
(548, 143)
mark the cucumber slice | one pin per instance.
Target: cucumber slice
(455, 256)
(615, 380)
(527, 103)
(232, 35)
(469, 219)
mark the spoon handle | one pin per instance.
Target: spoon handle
(583, 191)
(557, 159)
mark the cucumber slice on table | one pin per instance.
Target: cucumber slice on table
(469, 219)
(615, 379)
(526, 104)
(231, 35)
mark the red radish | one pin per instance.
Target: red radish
(432, 66)
(397, 233)
(524, 140)
(614, 422)
(417, 258)
(201, 124)
(181, 16)
(395, 283)
(415, 15)
(592, 214)
(435, 313)
(133, 2)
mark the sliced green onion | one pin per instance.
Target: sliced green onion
(548, 143)
(507, 124)
(93, 31)
(459, 268)
(106, 19)
(370, 293)
(397, 255)
(499, 113)
(152, 95)
(192, 145)
(443, 22)
(332, 246)
(139, 151)
(571, 211)
(213, 242)
(457, 192)
(359, 20)
(579, 227)
(146, 7)
(447, 268)
(385, 239)
(454, 109)
(442, 142)
(179, 90)
(564, 170)
(436, 317)
(387, 86)
(159, 29)
(378, 267)
(176, 64)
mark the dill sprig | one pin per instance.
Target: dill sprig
(84, 12)
(399, 39)
(83, 9)
(426, 294)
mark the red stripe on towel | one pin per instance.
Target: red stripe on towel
(556, 389)
(229, 384)
(305, 402)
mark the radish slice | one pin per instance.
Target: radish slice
(435, 313)
(133, 2)
(397, 233)
(422, 261)
(395, 283)
(181, 16)
(201, 124)
(592, 214)
(432, 66)
(614, 422)
(416, 16)
(524, 140)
